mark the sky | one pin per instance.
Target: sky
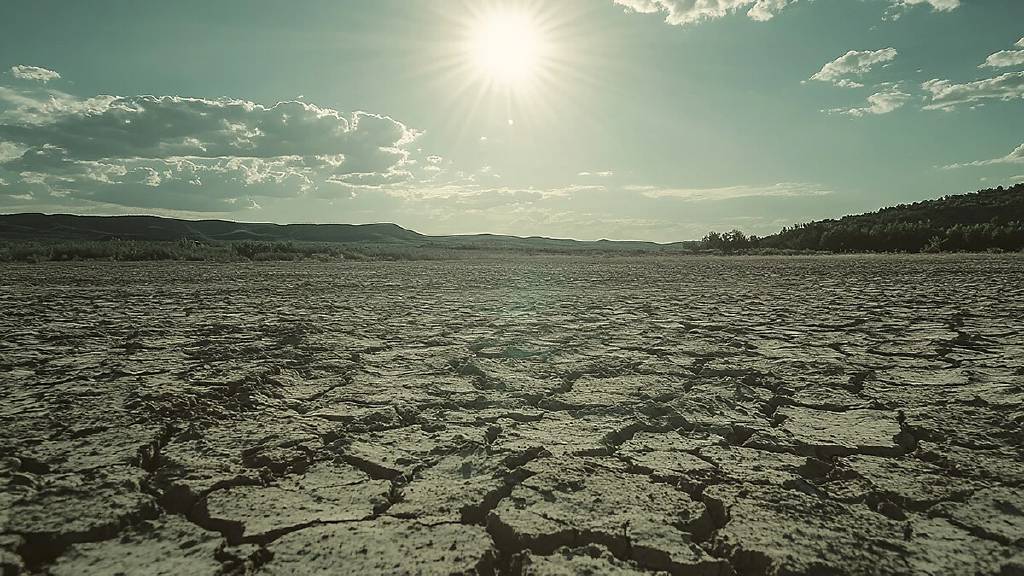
(623, 119)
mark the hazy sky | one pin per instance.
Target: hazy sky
(624, 119)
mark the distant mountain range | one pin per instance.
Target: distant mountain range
(983, 220)
(69, 227)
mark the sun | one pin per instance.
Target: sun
(508, 48)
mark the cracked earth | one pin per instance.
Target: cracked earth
(854, 415)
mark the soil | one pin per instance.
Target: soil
(541, 416)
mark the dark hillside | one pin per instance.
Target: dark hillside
(983, 220)
(70, 227)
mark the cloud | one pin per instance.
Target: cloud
(1005, 58)
(681, 12)
(889, 99)
(34, 73)
(685, 12)
(945, 95)
(172, 126)
(937, 5)
(780, 190)
(191, 153)
(899, 6)
(853, 64)
(1014, 157)
(602, 174)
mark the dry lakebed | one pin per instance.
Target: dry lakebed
(541, 416)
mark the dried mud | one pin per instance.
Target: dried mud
(855, 415)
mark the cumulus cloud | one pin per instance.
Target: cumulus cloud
(34, 73)
(1005, 58)
(888, 99)
(684, 12)
(898, 7)
(190, 153)
(779, 190)
(853, 64)
(946, 95)
(1014, 157)
(680, 12)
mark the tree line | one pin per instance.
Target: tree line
(987, 220)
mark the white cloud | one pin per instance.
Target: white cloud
(1014, 157)
(680, 12)
(937, 5)
(191, 153)
(602, 174)
(945, 95)
(899, 6)
(684, 12)
(853, 64)
(34, 73)
(780, 190)
(172, 126)
(890, 98)
(1006, 58)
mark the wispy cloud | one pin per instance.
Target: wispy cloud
(946, 95)
(890, 98)
(853, 64)
(779, 190)
(1014, 157)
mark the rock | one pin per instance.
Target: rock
(166, 546)
(382, 547)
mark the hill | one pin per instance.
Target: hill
(154, 228)
(34, 237)
(985, 220)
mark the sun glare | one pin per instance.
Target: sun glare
(509, 63)
(508, 48)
